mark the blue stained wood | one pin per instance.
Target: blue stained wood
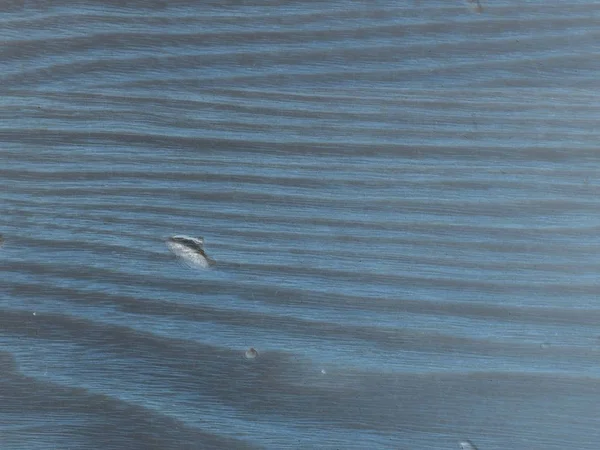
(401, 199)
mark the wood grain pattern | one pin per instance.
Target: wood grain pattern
(401, 197)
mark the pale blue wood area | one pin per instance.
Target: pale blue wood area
(401, 199)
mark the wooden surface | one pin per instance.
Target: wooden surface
(401, 197)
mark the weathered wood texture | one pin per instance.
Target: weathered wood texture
(402, 199)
